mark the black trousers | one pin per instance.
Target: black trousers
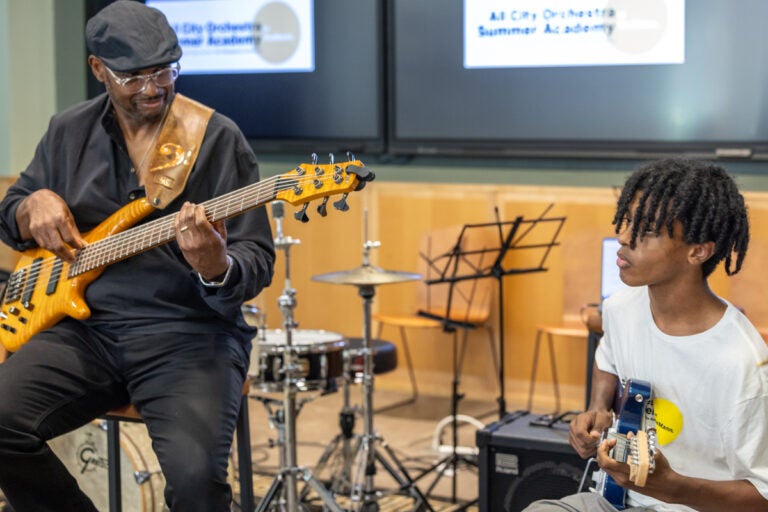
(186, 387)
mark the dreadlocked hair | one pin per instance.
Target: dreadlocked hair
(702, 196)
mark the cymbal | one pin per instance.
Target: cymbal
(366, 275)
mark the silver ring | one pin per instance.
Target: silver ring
(183, 229)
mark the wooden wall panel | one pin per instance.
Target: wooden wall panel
(397, 214)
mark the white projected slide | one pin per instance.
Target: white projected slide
(540, 33)
(242, 36)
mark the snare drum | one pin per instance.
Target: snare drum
(84, 453)
(319, 357)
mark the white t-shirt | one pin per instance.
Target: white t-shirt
(710, 390)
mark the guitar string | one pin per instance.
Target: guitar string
(161, 228)
(165, 224)
(218, 208)
(158, 226)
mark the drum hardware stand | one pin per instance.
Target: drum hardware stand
(363, 496)
(285, 481)
(276, 419)
(341, 479)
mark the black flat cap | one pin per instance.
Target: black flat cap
(128, 36)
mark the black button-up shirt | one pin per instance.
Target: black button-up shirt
(83, 158)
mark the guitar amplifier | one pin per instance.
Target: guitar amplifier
(523, 459)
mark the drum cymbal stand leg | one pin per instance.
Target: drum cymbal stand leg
(364, 497)
(286, 479)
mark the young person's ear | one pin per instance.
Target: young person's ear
(700, 253)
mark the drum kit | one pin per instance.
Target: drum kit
(291, 361)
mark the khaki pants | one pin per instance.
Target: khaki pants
(582, 502)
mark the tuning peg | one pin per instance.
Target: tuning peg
(341, 204)
(301, 215)
(331, 158)
(322, 209)
(314, 158)
(350, 156)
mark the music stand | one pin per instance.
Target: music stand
(513, 236)
(466, 262)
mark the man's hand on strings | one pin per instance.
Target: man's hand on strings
(203, 244)
(45, 217)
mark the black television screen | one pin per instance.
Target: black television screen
(593, 78)
(295, 75)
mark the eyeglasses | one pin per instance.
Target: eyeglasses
(137, 83)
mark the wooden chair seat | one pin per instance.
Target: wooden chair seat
(407, 321)
(127, 412)
(572, 332)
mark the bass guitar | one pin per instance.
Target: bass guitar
(43, 288)
(635, 434)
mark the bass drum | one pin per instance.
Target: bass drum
(84, 453)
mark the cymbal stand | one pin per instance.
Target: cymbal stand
(285, 481)
(363, 497)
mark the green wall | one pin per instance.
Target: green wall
(5, 96)
(41, 72)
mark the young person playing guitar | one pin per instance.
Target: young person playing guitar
(166, 332)
(676, 221)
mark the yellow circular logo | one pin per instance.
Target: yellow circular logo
(669, 421)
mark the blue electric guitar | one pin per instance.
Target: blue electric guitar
(635, 434)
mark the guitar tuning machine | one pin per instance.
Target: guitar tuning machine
(301, 215)
(322, 208)
(341, 204)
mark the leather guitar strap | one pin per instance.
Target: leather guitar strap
(176, 147)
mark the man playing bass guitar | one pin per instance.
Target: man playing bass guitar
(165, 330)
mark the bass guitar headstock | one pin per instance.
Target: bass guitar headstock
(311, 181)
